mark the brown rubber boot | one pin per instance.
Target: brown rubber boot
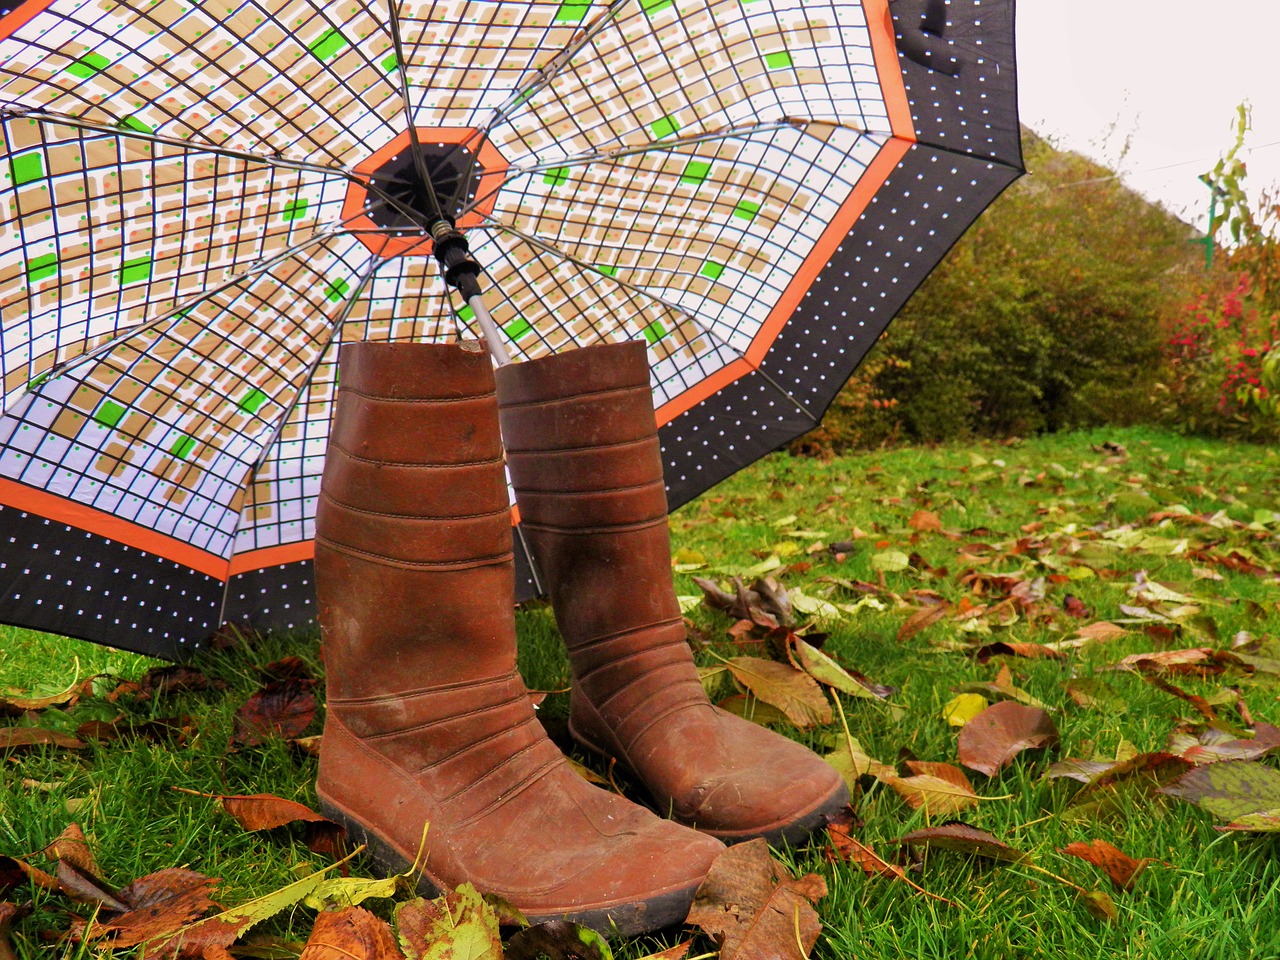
(582, 450)
(428, 723)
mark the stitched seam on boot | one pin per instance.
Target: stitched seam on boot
(419, 691)
(475, 781)
(552, 451)
(605, 638)
(476, 743)
(416, 564)
(564, 492)
(602, 706)
(413, 516)
(509, 795)
(353, 392)
(632, 654)
(477, 711)
(631, 741)
(603, 392)
(585, 531)
(334, 445)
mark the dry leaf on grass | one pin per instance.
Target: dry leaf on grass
(961, 838)
(556, 940)
(1121, 868)
(156, 905)
(72, 846)
(790, 690)
(459, 924)
(1213, 746)
(352, 933)
(921, 618)
(265, 811)
(991, 740)
(26, 738)
(940, 788)
(754, 908)
(1241, 791)
(10, 913)
(282, 708)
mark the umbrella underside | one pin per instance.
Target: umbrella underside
(210, 198)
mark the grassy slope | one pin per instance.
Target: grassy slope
(1215, 895)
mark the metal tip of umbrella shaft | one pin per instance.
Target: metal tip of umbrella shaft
(463, 274)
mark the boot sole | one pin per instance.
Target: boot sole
(790, 831)
(667, 909)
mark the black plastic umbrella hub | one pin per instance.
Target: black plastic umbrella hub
(400, 200)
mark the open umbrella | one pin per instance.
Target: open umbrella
(203, 200)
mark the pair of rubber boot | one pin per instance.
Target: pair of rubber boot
(429, 726)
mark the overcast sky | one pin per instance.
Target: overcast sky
(1163, 75)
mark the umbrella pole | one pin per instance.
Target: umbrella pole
(462, 273)
(492, 335)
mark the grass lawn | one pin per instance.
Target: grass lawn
(1176, 541)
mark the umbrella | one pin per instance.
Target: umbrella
(202, 201)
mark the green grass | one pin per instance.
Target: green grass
(1212, 895)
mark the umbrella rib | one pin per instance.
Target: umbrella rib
(419, 161)
(46, 116)
(334, 330)
(639, 291)
(552, 67)
(257, 269)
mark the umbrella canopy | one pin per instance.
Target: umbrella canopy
(203, 200)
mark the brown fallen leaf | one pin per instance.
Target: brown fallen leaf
(26, 738)
(940, 788)
(1001, 648)
(961, 838)
(430, 929)
(10, 913)
(282, 708)
(1201, 705)
(352, 933)
(792, 691)
(266, 811)
(925, 521)
(157, 904)
(161, 681)
(923, 617)
(1121, 868)
(72, 846)
(553, 940)
(752, 906)
(15, 872)
(85, 887)
(991, 740)
(1213, 746)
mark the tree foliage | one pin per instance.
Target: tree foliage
(1046, 315)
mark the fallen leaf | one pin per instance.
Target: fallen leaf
(1213, 746)
(158, 904)
(754, 908)
(265, 811)
(1000, 691)
(25, 738)
(678, 952)
(15, 872)
(994, 737)
(10, 913)
(962, 708)
(338, 892)
(825, 670)
(1033, 651)
(753, 709)
(18, 702)
(352, 933)
(556, 940)
(890, 561)
(925, 521)
(1241, 791)
(1121, 868)
(923, 617)
(85, 887)
(940, 788)
(1100, 904)
(853, 762)
(458, 924)
(961, 838)
(1092, 692)
(70, 845)
(793, 692)
(282, 708)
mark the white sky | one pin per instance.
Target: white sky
(1164, 75)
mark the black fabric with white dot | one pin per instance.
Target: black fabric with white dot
(60, 579)
(968, 104)
(279, 597)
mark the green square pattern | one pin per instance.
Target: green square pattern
(336, 290)
(778, 61)
(26, 167)
(746, 210)
(653, 6)
(38, 268)
(695, 172)
(664, 128)
(330, 42)
(712, 270)
(466, 314)
(295, 210)
(572, 12)
(182, 446)
(390, 64)
(555, 177)
(88, 65)
(133, 123)
(654, 332)
(517, 328)
(252, 401)
(109, 413)
(135, 270)
(607, 270)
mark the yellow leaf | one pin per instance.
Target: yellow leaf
(960, 709)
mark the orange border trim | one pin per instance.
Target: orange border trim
(13, 22)
(19, 496)
(877, 171)
(885, 52)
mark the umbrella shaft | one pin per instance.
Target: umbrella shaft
(492, 335)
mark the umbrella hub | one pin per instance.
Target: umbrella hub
(399, 198)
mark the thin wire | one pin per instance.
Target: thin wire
(419, 161)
